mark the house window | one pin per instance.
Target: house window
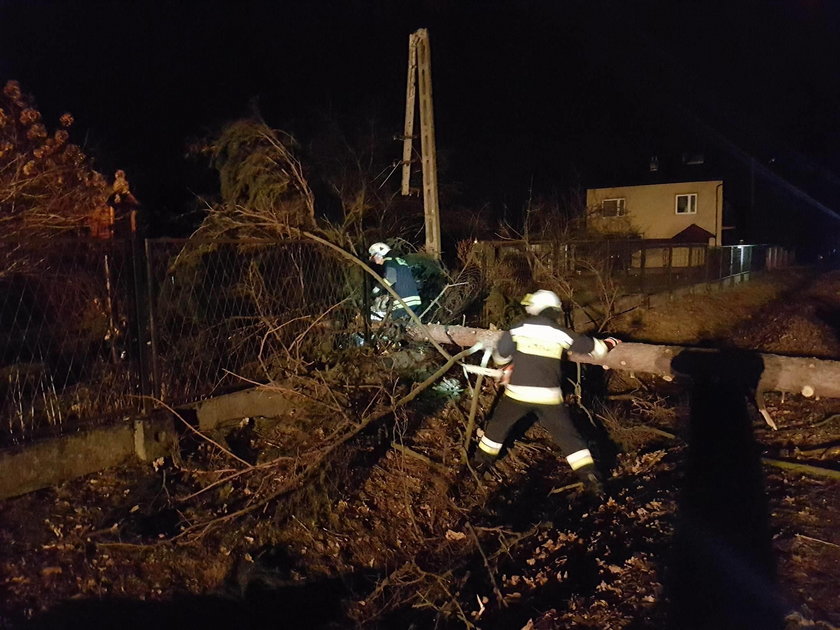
(687, 204)
(613, 207)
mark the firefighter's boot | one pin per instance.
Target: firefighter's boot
(592, 482)
(483, 463)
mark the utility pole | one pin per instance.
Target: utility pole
(420, 76)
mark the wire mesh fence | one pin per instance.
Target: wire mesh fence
(68, 336)
(93, 331)
(636, 266)
(223, 312)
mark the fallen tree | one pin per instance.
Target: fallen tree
(809, 377)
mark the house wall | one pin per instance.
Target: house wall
(651, 209)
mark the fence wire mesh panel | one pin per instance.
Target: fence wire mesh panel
(228, 314)
(589, 270)
(93, 329)
(68, 344)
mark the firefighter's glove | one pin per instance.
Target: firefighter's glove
(507, 371)
(611, 342)
(377, 290)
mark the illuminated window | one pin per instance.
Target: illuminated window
(613, 207)
(687, 204)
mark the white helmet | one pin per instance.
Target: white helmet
(378, 249)
(535, 303)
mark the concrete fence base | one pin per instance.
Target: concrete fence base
(49, 462)
(53, 461)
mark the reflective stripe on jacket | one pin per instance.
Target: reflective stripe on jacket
(536, 347)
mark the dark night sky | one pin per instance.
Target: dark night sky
(563, 93)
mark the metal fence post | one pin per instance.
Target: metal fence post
(139, 323)
(155, 387)
(707, 256)
(366, 306)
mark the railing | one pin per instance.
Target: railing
(636, 266)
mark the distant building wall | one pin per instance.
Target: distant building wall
(652, 210)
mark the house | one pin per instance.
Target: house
(684, 212)
(683, 218)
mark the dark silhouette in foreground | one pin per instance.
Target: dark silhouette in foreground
(722, 572)
(313, 606)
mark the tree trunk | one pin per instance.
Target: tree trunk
(763, 372)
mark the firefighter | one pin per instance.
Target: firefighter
(532, 350)
(397, 274)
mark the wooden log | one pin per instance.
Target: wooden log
(764, 372)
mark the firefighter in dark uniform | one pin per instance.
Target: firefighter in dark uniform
(534, 348)
(397, 274)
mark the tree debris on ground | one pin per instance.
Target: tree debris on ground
(356, 509)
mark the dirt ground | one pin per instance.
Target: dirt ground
(705, 524)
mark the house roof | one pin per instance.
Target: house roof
(693, 234)
(639, 184)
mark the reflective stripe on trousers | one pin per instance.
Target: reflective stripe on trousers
(580, 459)
(489, 446)
(535, 395)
